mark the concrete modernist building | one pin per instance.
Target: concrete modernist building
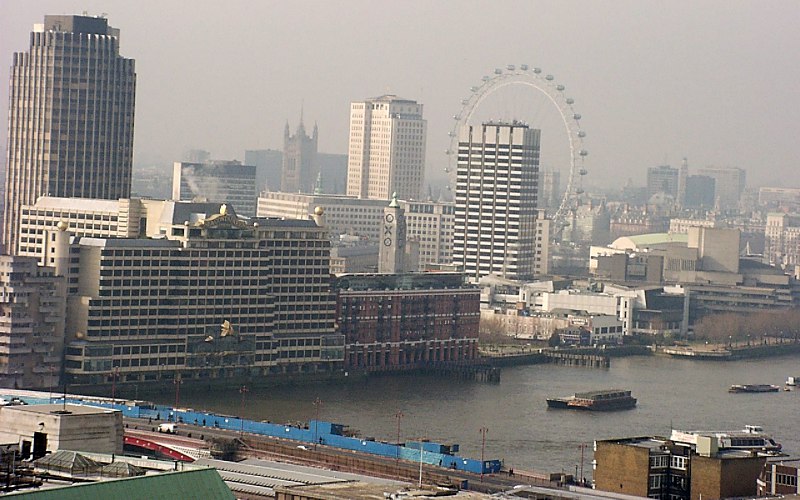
(387, 149)
(399, 321)
(699, 192)
(32, 315)
(300, 168)
(215, 296)
(729, 183)
(70, 117)
(46, 428)
(496, 189)
(217, 182)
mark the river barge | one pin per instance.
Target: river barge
(605, 400)
(737, 388)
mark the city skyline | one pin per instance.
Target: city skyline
(654, 83)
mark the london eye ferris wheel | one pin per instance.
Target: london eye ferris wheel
(554, 94)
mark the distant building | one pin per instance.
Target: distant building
(779, 197)
(496, 207)
(700, 192)
(681, 226)
(70, 121)
(632, 222)
(549, 195)
(782, 240)
(402, 321)
(269, 164)
(663, 179)
(216, 182)
(33, 308)
(300, 168)
(354, 259)
(428, 223)
(590, 223)
(729, 183)
(386, 149)
(333, 168)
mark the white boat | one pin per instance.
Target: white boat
(793, 381)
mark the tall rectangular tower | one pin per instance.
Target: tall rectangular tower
(387, 149)
(70, 119)
(496, 190)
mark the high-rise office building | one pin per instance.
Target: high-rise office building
(70, 123)
(663, 179)
(300, 167)
(217, 181)
(496, 188)
(387, 149)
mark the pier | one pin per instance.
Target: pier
(581, 360)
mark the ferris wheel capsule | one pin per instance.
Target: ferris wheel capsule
(456, 117)
(560, 88)
(498, 71)
(570, 100)
(549, 78)
(583, 171)
(537, 70)
(581, 133)
(583, 152)
(485, 78)
(474, 88)
(577, 116)
(510, 67)
(579, 191)
(464, 101)
(523, 67)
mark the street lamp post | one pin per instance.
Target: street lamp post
(483, 430)
(243, 391)
(317, 404)
(177, 381)
(114, 374)
(399, 415)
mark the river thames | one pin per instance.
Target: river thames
(672, 393)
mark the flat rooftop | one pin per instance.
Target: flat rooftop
(58, 409)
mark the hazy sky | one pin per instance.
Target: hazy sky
(716, 81)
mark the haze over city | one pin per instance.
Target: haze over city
(712, 81)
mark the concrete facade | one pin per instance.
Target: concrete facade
(496, 189)
(65, 427)
(215, 296)
(386, 152)
(32, 316)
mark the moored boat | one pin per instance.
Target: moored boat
(754, 388)
(605, 400)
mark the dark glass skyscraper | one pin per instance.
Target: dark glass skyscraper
(70, 126)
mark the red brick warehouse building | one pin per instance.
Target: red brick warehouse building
(404, 321)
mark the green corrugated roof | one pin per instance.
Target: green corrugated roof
(201, 484)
